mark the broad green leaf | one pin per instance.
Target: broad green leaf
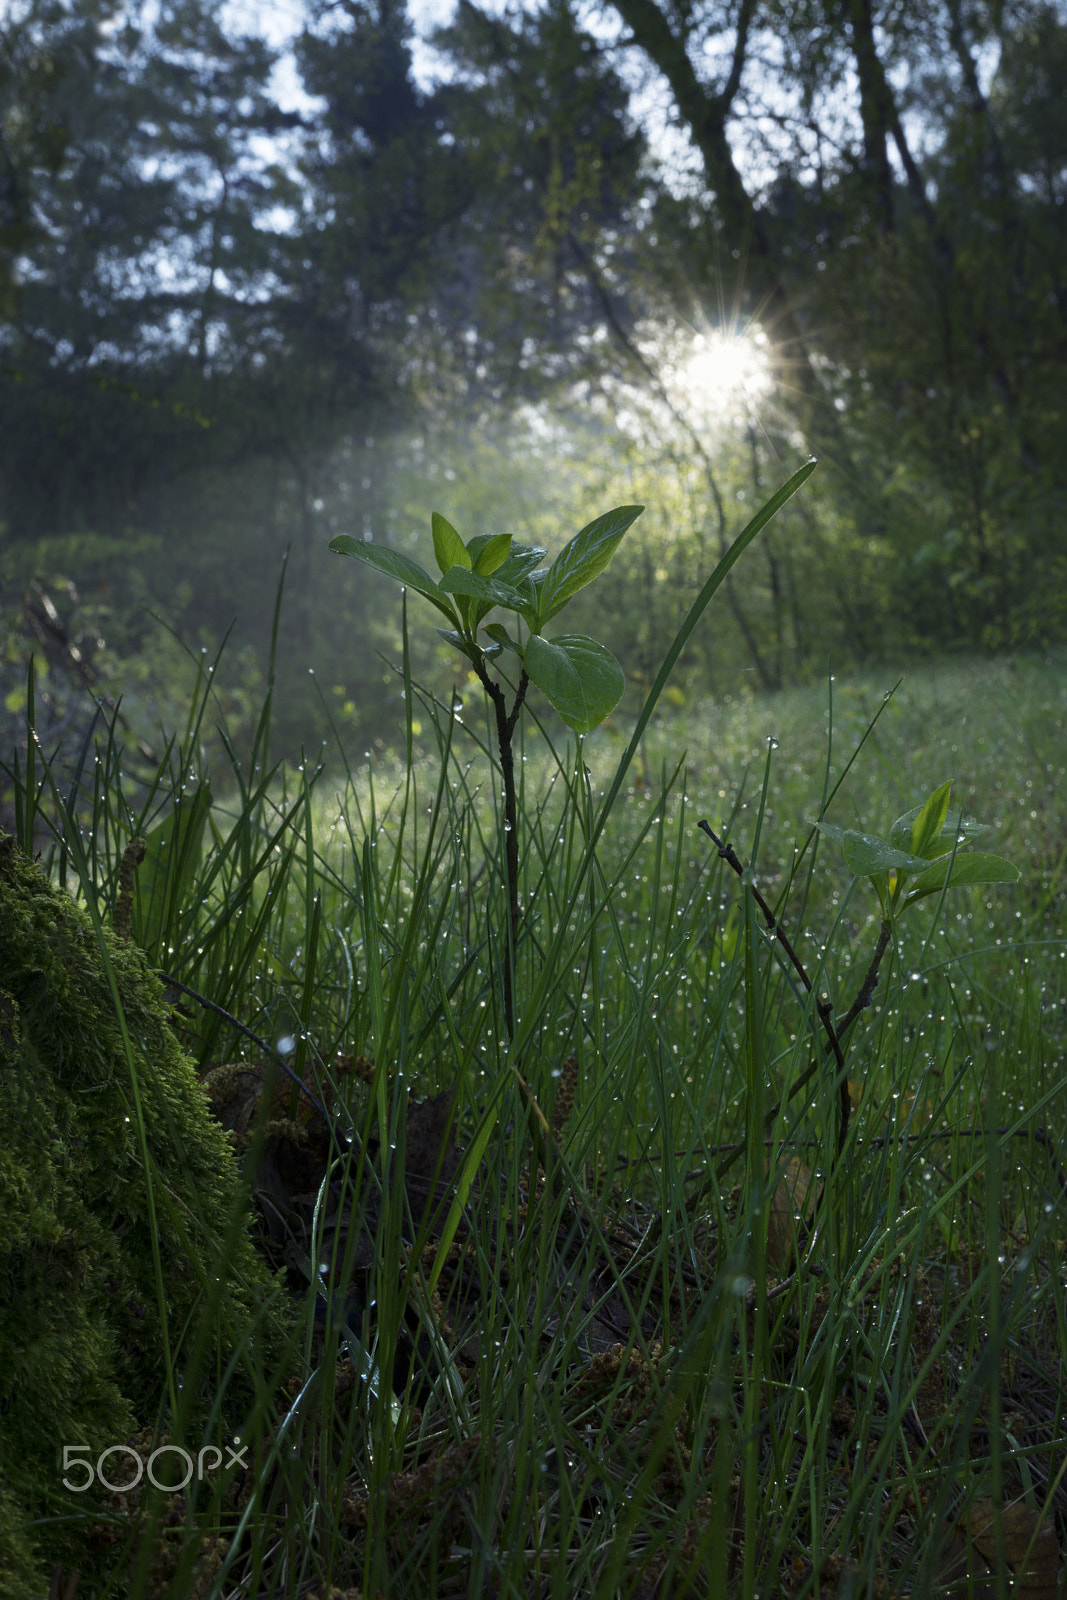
(529, 590)
(448, 547)
(497, 631)
(521, 560)
(866, 854)
(956, 827)
(580, 561)
(488, 551)
(394, 565)
(167, 873)
(974, 867)
(926, 829)
(582, 679)
(457, 580)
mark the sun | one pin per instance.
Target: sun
(710, 382)
(717, 377)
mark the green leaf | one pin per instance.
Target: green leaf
(974, 867)
(497, 631)
(926, 829)
(957, 828)
(880, 885)
(394, 565)
(487, 551)
(457, 580)
(867, 854)
(168, 871)
(460, 642)
(530, 590)
(582, 679)
(448, 547)
(521, 561)
(580, 561)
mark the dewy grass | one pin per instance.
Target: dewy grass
(647, 1361)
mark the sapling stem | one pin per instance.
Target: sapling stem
(870, 980)
(506, 723)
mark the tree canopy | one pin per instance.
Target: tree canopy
(231, 323)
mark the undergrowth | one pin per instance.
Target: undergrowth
(596, 1305)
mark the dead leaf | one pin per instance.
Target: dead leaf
(961, 1568)
(792, 1209)
(1030, 1546)
(235, 1093)
(431, 1157)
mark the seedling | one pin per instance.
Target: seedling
(579, 676)
(924, 854)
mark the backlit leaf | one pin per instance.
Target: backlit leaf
(521, 561)
(867, 854)
(488, 551)
(394, 565)
(582, 679)
(448, 547)
(971, 868)
(587, 554)
(956, 828)
(926, 829)
(457, 580)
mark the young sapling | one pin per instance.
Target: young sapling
(925, 853)
(580, 677)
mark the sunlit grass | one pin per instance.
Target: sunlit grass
(619, 1377)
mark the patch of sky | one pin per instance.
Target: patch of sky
(770, 115)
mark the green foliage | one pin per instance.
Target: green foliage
(921, 856)
(173, 851)
(581, 678)
(422, 258)
(630, 1315)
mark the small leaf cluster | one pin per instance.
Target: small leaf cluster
(580, 677)
(924, 853)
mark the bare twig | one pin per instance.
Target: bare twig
(822, 1005)
(209, 1005)
(1040, 1136)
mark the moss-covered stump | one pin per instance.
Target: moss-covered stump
(86, 1315)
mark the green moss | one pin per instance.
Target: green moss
(82, 1338)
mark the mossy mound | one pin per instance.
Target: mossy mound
(82, 1337)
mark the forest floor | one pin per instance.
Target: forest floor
(649, 1293)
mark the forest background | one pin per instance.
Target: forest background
(516, 268)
